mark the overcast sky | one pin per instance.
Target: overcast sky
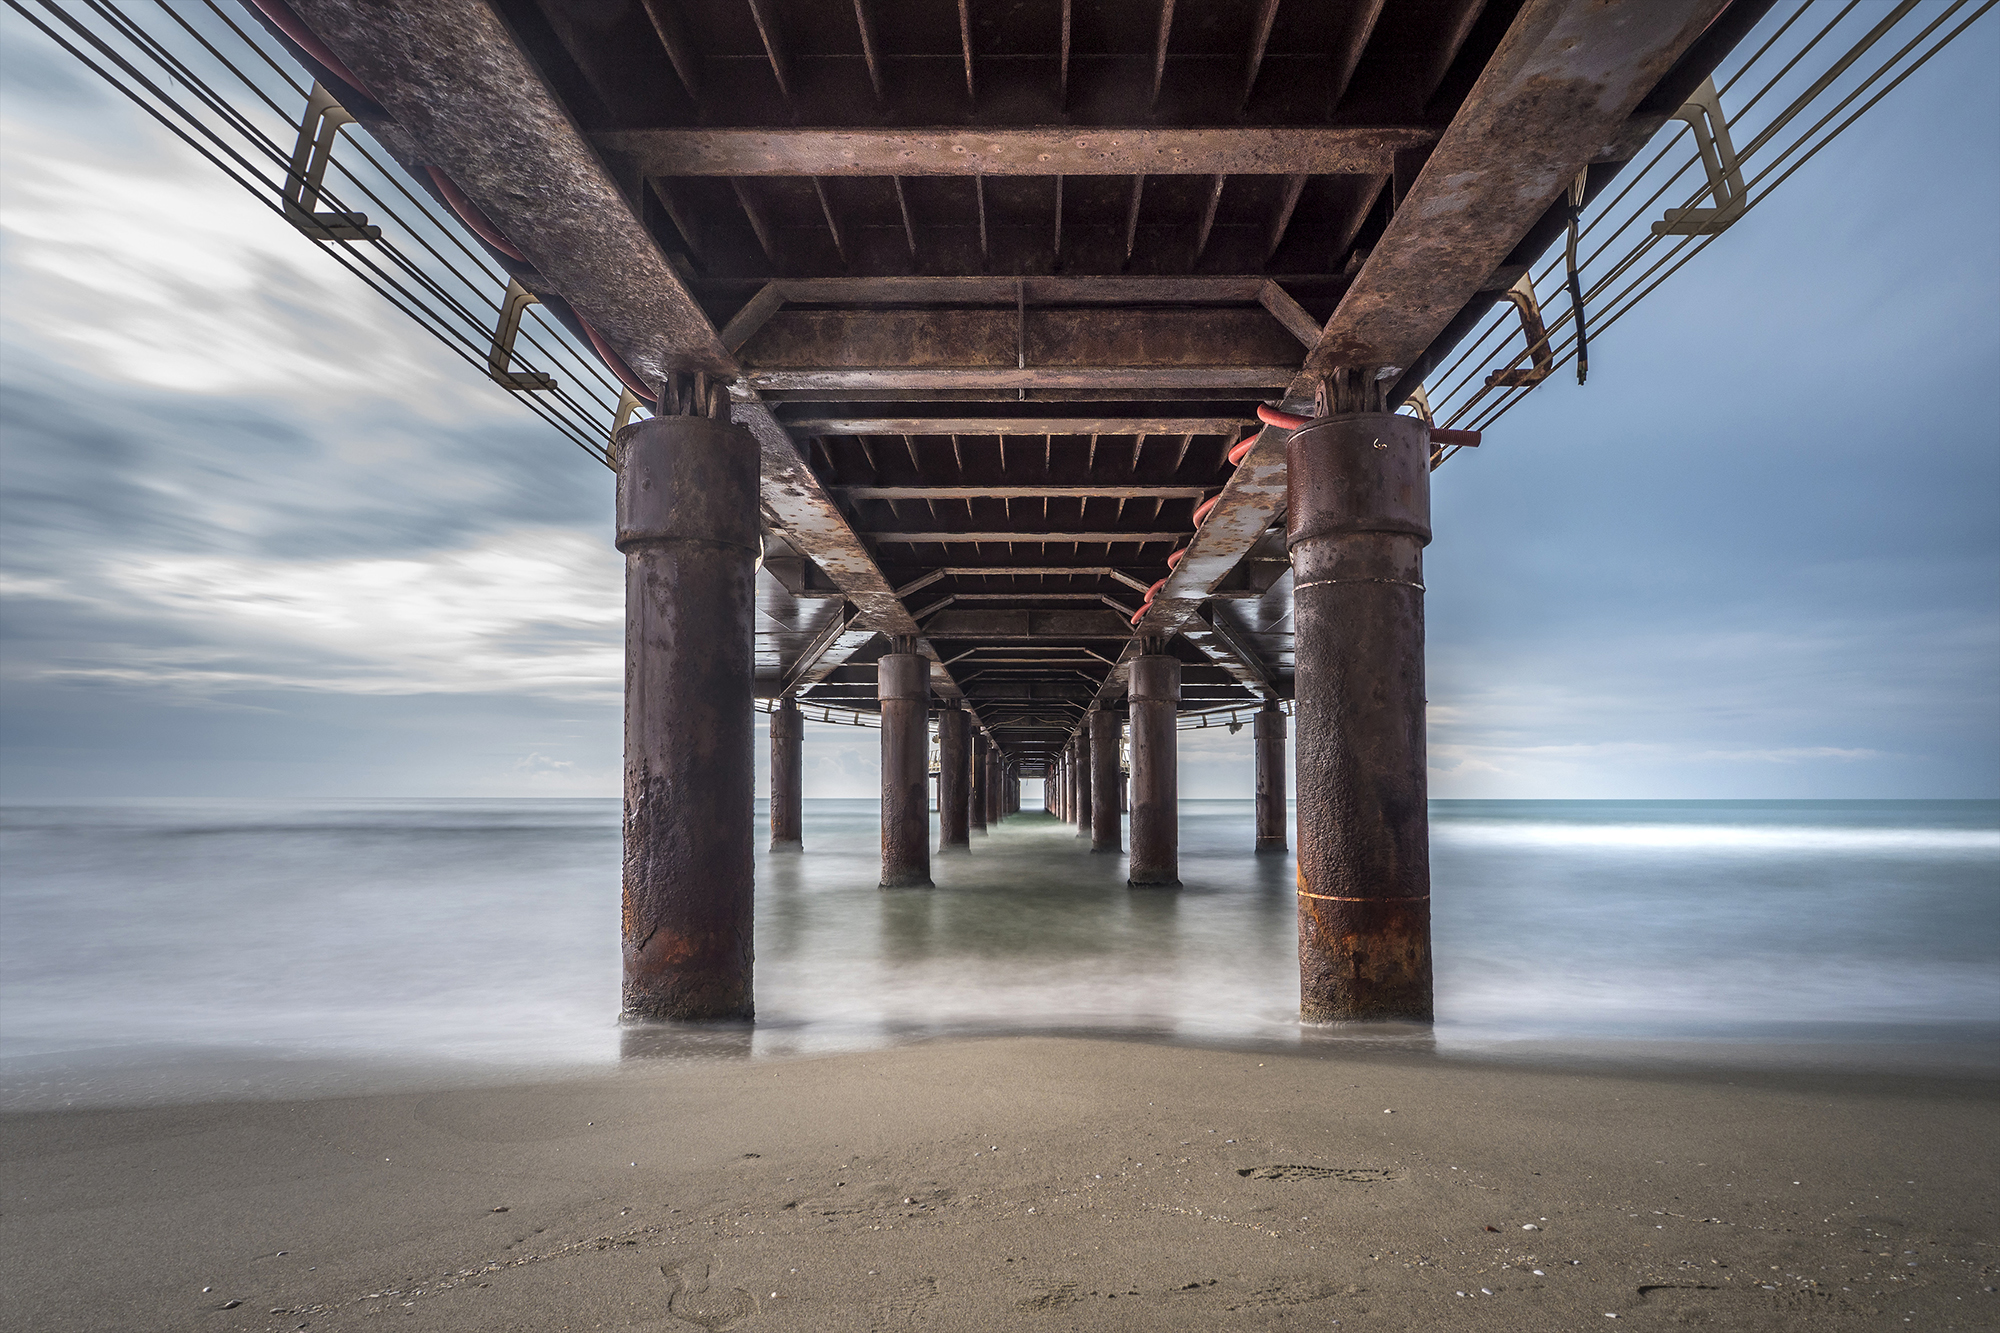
(261, 536)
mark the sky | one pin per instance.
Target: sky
(260, 536)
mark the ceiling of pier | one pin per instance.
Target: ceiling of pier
(1000, 283)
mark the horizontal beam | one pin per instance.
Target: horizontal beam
(809, 426)
(1050, 150)
(1020, 492)
(1030, 337)
(1017, 626)
(893, 379)
(981, 290)
(1027, 538)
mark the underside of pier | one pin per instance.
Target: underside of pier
(995, 292)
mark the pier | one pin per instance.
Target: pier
(1029, 380)
(1029, 385)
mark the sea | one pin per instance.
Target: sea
(188, 949)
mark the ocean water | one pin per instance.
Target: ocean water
(141, 941)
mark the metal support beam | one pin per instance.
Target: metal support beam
(689, 602)
(787, 777)
(1079, 757)
(1269, 734)
(1043, 150)
(903, 686)
(954, 780)
(1359, 518)
(1106, 828)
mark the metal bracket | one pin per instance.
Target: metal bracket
(307, 177)
(501, 354)
(1522, 296)
(1421, 401)
(1703, 112)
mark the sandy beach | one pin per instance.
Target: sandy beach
(1025, 1182)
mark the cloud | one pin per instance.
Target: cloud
(521, 610)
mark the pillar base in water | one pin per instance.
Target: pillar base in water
(1365, 960)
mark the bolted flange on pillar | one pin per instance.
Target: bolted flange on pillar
(1156, 830)
(1359, 518)
(788, 729)
(687, 523)
(903, 689)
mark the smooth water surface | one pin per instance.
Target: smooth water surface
(487, 931)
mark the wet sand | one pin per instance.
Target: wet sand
(1025, 1183)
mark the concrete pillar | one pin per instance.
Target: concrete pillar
(1056, 806)
(1079, 748)
(1269, 730)
(994, 765)
(1359, 521)
(687, 523)
(903, 688)
(1156, 828)
(1014, 792)
(975, 791)
(788, 731)
(1105, 726)
(954, 780)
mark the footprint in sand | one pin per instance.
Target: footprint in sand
(1359, 1175)
(695, 1301)
(903, 1307)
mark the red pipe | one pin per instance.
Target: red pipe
(306, 40)
(473, 216)
(626, 375)
(1140, 614)
(1271, 416)
(1154, 591)
(1202, 511)
(1240, 451)
(1175, 558)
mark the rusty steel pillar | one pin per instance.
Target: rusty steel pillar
(975, 790)
(1269, 730)
(1359, 521)
(903, 689)
(954, 780)
(788, 731)
(1056, 801)
(995, 764)
(1013, 791)
(1079, 746)
(687, 523)
(1105, 830)
(1156, 817)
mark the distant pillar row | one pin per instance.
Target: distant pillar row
(687, 524)
(1269, 731)
(1105, 727)
(903, 691)
(788, 729)
(1359, 519)
(954, 780)
(1156, 838)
